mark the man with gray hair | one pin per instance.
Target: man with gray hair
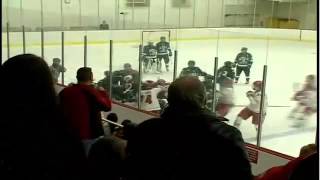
(187, 141)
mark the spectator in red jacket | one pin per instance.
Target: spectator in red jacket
(295, 169)
(82, 105)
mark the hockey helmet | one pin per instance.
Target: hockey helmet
(127, 66)
(311, 77)
(257, 85)
(191, 63)
(162, 38)
(56, 60)
(228, 64)
(244, 48)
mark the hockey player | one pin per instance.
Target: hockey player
(56, 69)
(225, 75)
(192, 70)
(125, 83)
(154, 95)
(253, 109)
(149, 56)
(243, 62)
(163, 52)
(306, 100)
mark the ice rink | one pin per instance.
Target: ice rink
(288, 62)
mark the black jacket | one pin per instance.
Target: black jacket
(187, 145)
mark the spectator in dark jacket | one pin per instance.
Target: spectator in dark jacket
(82, 105)
(35, 143)
(187, 142)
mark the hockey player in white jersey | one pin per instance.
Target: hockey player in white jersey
(306, 100)
(253, 109)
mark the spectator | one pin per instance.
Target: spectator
(303, 167)
(187, 141)
(56, 69)
(107, 154)
(104, 25)
(82, 105)
(34, 140)
(114, 118)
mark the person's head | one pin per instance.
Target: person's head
(106, 73)
(104, 22)
(84, 75)
(28, 89)
(310, 79)
(150, 43)
(163, 39)
(228, 64)
(126, 122)
(128, 129)
(244, 49)
(187, 93)
(191, 63)
(127, 67)
(307, 150)
(112, 117)
(257, 85)
(56, 61)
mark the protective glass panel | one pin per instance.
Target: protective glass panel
(74, 54)
(125, 66)
(292, 90)
(196, 57)
(33, 43)
(158, 68)
(52, 49)
(239, 80)
(98, 53)
(16, 42)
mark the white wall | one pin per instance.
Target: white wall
(201, 13)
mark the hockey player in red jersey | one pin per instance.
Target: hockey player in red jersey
(253, 109)
(306, 100)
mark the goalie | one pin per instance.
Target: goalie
(149, 57)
